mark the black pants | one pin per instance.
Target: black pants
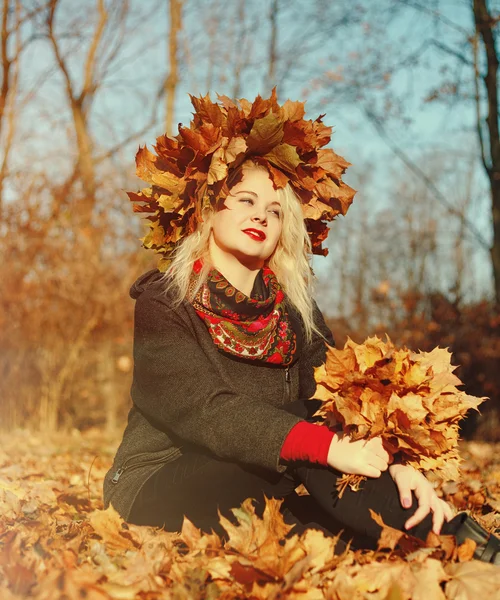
(198, 484)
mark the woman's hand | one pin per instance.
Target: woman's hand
(408, 479)
(363, 457)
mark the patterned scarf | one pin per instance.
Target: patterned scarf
(256, 327)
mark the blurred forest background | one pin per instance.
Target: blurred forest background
(411, 89)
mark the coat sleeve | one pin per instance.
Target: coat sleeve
(177, 387)
(314, 355)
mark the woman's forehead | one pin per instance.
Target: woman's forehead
(256, 181)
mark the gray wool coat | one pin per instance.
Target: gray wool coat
(186, 393)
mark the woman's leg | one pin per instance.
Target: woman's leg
(381, 495)
(352, 510)
(197, 485)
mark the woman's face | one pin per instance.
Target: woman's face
(249, 226)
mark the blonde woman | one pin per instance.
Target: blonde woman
(225, 344)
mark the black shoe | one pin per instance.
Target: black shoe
(488, 545)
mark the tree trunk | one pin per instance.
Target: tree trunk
(485, 25)
(85, 162)
(106, 373)
(173, 77)
(495, 248)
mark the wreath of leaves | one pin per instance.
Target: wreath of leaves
(190, 171)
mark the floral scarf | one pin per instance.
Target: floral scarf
(256, 327)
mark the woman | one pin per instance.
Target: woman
(225, 346)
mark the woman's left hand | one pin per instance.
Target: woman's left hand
(408, 479)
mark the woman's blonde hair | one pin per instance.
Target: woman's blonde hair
(290, 261)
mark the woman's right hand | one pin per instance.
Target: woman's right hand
(362, 457)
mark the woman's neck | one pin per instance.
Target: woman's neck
(241, 276)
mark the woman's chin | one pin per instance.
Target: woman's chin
(250, 260)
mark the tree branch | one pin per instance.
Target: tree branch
(428, 182)
(453, 52)
(6, 62)
(175, 13)
(59, 58)
(88, 81)
(435, 13)
(477, 99)
(271, 73)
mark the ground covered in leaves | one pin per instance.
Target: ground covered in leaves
(56, 542)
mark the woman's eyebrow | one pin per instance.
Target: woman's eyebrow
(254, 194)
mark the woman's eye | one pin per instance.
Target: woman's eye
(246, 200)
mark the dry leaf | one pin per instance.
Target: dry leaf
(472, 581)
(71, 547)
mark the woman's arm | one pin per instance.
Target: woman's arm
(308, 441)
(178, 388)
(313, 355)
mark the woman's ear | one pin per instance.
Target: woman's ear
(207, 215)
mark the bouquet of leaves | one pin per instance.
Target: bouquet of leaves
(408, 398)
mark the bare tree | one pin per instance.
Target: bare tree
(15, 18)
(80, 100)
(363, 80)
(58, 271)
(10, 78)
(476, 80)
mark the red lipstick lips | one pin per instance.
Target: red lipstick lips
(256, 234)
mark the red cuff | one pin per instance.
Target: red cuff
(307, 441)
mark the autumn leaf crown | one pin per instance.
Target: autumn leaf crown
(190, 171)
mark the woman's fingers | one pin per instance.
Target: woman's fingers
(378, 457)
(440, 512)
(378, 463)
(370, 471)
(437, 516)
(377, 447)
(448, 511)
(408, 480)
(356, 457)
(384, 455)
(404, 489)
(422, 511)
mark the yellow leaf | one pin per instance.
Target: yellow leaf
(218, 167)
(472, 581)
(284, 157)
(108, 524)
(293, 111)
(266, 133)
(236, 146)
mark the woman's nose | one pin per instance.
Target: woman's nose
(260, 216)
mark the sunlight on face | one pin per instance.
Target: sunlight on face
(249, 226)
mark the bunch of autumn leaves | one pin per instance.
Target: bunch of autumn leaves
(408, 398)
